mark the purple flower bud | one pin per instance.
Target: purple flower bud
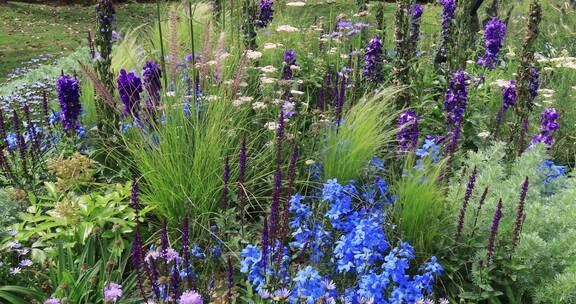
(467, 195)
(408, 134)
(549, 124)
(416, 11)
(134, 202)
(494, 33)
(373, 60)
(493, 232)
(129, 88)
(289, 60)
(186, 246)
(69, 98)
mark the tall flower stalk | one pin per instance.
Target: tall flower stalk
(508, 101)
(275, 207)
(241, 179)
(266, 13)
(249, 25)
(467, 195)
(68, 90)
(494, 232)
(520, 214)
(226, 180)
(130, 87)
(448, 20)
(494, 33)
(373, 61)
(416, 11)
(152, 75)
(408, 131)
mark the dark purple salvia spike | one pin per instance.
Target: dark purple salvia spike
(478, 209)
(520, 214)
(416, 11)
(493, 233)
(533, 84)
(151, 76)
(522, 137)
(69, 98)
(134, 202)
(549, 124)
(266, 13)
(2, 129)
(408, 134)
(286, 212)
(31, 128)
(186, 249)
(164, 237)
(494, 33)
(129, 88)
(226, 179)
(241, 177)
(448, 17)
(230, 272)
(373, 61)
(289, 61)
(21, 143)
(46, 111)
(175, 282)
(508, 101)
(137, 259)
(467, 195)
(275, 207)
(265, 245)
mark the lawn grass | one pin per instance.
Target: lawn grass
(28, 31)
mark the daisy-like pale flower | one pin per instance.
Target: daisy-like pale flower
(151, 255)
(259, 105)
(281, 294)
(253, 54)
(276, 100)
(287, 28)
(296, 4)
(271, 125)
(23, 251)
(15, 270)
(268, 69)
(271, 46)
(267, 80)
(263, 293)
(26, 263)
(443, 301)
(484, 134)
(333, 50)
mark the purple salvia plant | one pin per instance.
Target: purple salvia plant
(2, 129)
(448, 17)
(289, 61)
(265, 245)
(548, 125)
(151, 75)
(164, 238)
(21, 142)
(186, 248)
(373, 61)
(175, 282)
(467, 195)
(137, 259)
(416, 11)
(494, 34)
(129, 88)
(408, 134)
(226, 179)
(520, 214)
(275, 207)
(134, 202)
(241, 176)
(266, 13)
(478, 209)
(508, 101)
(230, 272)
(494, 232)
(286, 213)
(69, 98)
(31, 128)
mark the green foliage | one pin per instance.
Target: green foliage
(11, 294)
(9, 208)
(364, 132)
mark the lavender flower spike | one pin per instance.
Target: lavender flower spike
(408, 134)
(130, 87)
(373, 61)
(494, 33)
(520, 214)
(493, 232)
(69, 98)
(467, 195)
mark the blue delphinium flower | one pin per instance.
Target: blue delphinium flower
(309, 285)
(494, 33)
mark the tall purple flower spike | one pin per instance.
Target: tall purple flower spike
(494, 34)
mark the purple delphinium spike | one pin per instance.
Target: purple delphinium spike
(548, 124)
(408, 134)
(266, 13)
(151, 75)
(448, 17)
(493, 232)
(520, 214)
(226, 178)
(69, 98)
(508, 100)
(21, 142)
(533, 84)
(373, 61)
(275, 207)
(456, 97)
(241, 177)
(467, 195)
(137, 259)
(416, 11)
(129, 88)
(175, 282)
(265, 245)
(494, 34)
(289, 60)
(230, 272)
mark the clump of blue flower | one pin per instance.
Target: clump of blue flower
(342, 252)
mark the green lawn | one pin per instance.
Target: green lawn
(28, 31)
